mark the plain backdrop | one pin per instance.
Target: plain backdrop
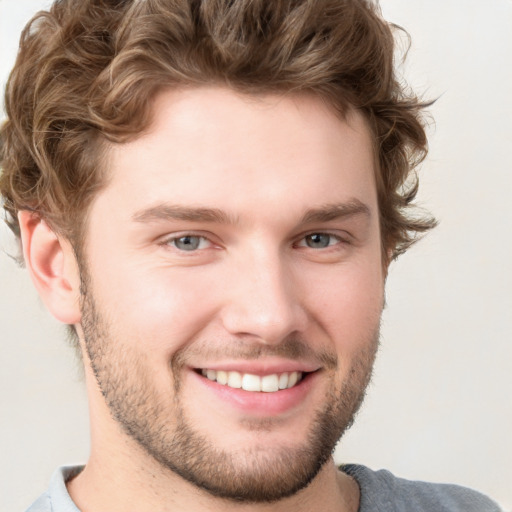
(440, 406)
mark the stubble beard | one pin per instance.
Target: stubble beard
(253, 475)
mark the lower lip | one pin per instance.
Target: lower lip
(261, 403)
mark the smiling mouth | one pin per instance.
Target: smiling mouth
(255, 383)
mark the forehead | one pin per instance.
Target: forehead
(241, 153)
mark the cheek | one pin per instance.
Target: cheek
(161, 309)
(347, 303)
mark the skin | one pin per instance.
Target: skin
(287, 274)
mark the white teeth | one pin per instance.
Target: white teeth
(222, 377)
(234, 380)
(249, 382)
(270, 383)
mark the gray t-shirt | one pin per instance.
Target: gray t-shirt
(383, 492)
(380, 492)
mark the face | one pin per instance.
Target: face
(233, 287)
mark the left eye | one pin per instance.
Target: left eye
(319, 240)
(189, 242)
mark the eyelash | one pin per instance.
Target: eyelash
(332, 238)
(173, 240)
(302, 241)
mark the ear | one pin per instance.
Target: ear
(52, 266)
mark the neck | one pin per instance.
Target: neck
(114, 483)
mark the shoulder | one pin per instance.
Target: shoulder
(42, 504)
(381, 490)
(56, 498)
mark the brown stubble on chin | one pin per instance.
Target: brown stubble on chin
(260, 424)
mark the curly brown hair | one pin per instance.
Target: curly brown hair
(87, 72)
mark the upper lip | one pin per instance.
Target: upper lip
(260, 367)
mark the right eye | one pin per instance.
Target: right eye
(188, 243)
(320, 240)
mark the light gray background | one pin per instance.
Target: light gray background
(440, 405)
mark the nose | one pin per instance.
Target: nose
(263, 299)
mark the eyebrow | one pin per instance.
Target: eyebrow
(171, 212)
(176, 212)
(336, 211)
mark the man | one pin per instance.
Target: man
(210, 194)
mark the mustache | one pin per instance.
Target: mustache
(292, 347)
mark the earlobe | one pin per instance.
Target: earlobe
(52, 265)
